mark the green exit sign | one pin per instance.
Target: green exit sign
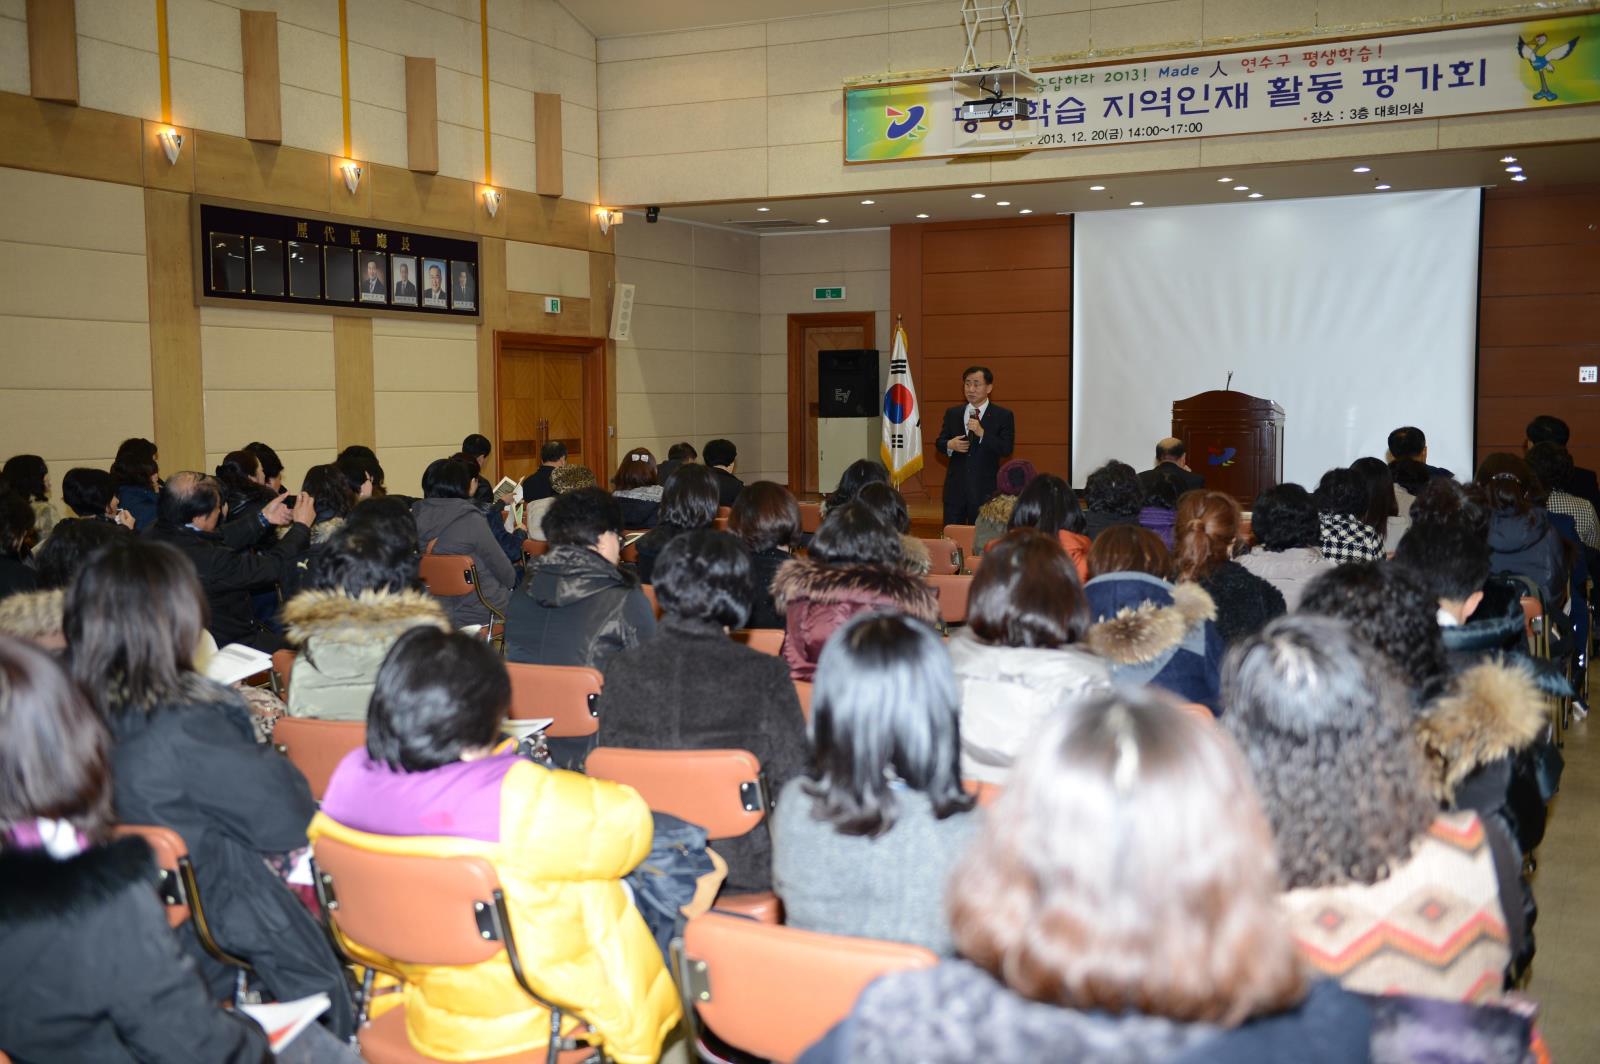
(826, 294)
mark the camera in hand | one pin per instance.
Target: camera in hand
(289, 501)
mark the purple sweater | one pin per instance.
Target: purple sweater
(460, 799)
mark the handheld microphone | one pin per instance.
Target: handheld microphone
(1229, 385)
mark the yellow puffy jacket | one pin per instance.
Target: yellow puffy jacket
(566, 842)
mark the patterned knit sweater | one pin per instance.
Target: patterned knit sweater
(1433, 928)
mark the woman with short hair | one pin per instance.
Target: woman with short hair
(1342, 502)
(136, 471)
(767, 518)
(1023, 653)
(91, 493)
(637, 488)
(691, 687)
(18, 536)
(1050, 505)
(335, 500)
(1111, 496)
(688, 503)
(890, 506)
(1207, 530)
(448, 522)
(1522, 539)
(856, 475)
(1288, 552)
(432, 781)
(853, 565)
(863, 842)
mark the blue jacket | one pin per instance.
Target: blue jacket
(140, 502)
(1157, 634)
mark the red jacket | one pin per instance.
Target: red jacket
(816, 599)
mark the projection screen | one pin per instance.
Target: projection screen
(1356, 313)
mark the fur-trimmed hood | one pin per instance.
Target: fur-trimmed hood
(1139, 617)
(370, 617)
(36, 886)
(998, 510)
(1490, 712)
(805, 579)
(33, 614)
(917, 560)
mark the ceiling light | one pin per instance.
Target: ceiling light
(763, 210)
(1026, 210)
(1380, 188)
(979, 195)
(868, 202)
(1223, 180)
(1097, 188)
(922, 216)
(1254, 195)
(1002, 203)
(1519, 177)
(1508, 159)
(1362, 170)
(822, 221)
(1241, 188)
(1137, 203)
(1513, 169)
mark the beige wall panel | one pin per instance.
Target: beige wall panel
(549, 270)
(1574, 123)
(775, 367)
(70, 212)
(579, 128)
(942, 47)
(734, 416)
(1095, 162)
(668, 328)
(1250, 18)
(724, 250)
(71, 421)
(265, 318)
(709, 126)
(545, 21)
(302, 416)
(824, 252)
(663, 241)
(403, 465)
(726, 290)
(651, 372)
(721, 330)
(208, 98)
(14, 55)
(512, 59)
(580, 174)
(806, 169)
(870, 22)
(119, 22)
(312, 14)
(241, 359)
(660, 283)
(118, 79)
(774, 333)
(312, 120)
(424, 328)
(513, 163)
(687, 78)
(378, 77)
(712, 175)
(727, 373)
(43, 353)
(238, 169)
(307, 58)
(791, 293)
(657, 415)
(1319, 144)
(432, 418)
(525, 313)
(420, 364)
(460, 152)
(774, 413)
(52, 282)
(377, 134)
(405, 198)
(572, 76)
(1063, 34)
(460, 98)
(805, 117)
(1340, 13)
(819, 65)
(1170, 25)
(404, 27)
(510, 109)
(689, 42)
(204, 32)
(775, 453)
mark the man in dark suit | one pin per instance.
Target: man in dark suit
(677, 455)
(1408, 441)
(1172, 463)
(404, 286)
(373, 284)
(465, 292)
(723, 458)
(1547, 428)
(536, 485)
(977, 436)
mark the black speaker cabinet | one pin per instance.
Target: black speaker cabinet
(847, 383)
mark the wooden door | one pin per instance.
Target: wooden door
(808, 334)
(544, 392)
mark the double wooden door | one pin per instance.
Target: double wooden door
(541, 397)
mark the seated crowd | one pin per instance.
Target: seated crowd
(1169, 781)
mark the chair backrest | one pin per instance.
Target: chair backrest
(982, 791)
(963, 536)
(721, 790)
(650, 593)
(533, 548)
(945, 555)
(282, 666)
(1195, 709)
(953, 592)
(773, 991)
(803, 689)
(316, 747)
(448, 575)
(766, 640)
(720, 522)
(810, 516)
(171, 853)
(569, 693)
(630, 554)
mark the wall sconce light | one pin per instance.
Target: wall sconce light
(607, 218)
(352, 176)
(171, 144)
(491, 200)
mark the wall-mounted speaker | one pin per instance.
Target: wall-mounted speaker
(622, 313)
(847, 383)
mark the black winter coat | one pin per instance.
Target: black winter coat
(229, 575)
(649, 547)
(194, 766)
(1528, 545)
(763, 612)
(90, 971)
(575, 608)
(1245, 602)
(694, 688)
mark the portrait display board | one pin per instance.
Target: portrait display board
(1483, 69)
(308, 260)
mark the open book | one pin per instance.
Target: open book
(283, 1020)
(522, 729)
(506, 489)
(236, 662)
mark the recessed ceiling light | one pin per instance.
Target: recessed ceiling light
(922, 216)
(763, 210)
(868, 202)
(1025, 210)
(1380, 188)
(1362, 170)
(1137, 203)
(1519, 177)
(1508, 159)
(1097, 188)
(822, 221)
(1223, 180)
(1254, 195)
(1513, 169)
(978, 195)
(1241, 188)
(1002, 203)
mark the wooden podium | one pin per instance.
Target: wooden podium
(1234, 440)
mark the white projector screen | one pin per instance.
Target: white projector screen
(1357, 314)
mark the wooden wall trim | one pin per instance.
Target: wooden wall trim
(263, 96)
(177, 391)
(547, 143)
(53, 50)
(354, 394)
(422, 114)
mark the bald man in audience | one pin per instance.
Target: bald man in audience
(1172, 463)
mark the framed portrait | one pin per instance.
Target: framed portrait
(230, 263)
(436, 283)
(305, 270)
(463, 285)
(403, 280)
(372, 282)
(339, 274)
(266, 266)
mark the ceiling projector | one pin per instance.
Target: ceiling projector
(999, 109)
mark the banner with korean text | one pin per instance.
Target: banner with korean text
(1509, 66)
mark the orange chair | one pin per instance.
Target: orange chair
(316, 747)
(766, 640)
(1195, 709)
(773, 991)
(534, 548)
(569, 693)
(963, 536)
(431, 912)
(454, 576)
(953, 592)
(282, 666)
(985, 793)
(721, 790)
(180, 891)
(630, 554)
(650, 593)
(945, 555)
(810, 517)
(803, 690)
(720, 522)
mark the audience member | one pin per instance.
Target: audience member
(853, 566)
(559, 842)
(360, 594)
(1552, 464)
(856, 475)
(501, 520)
(1408, 442)
(1172, 464)
(677, 455)
(476, 446)
(449, 523)
(327, 484)
(1410, 478)
(92, 493)
(575, 607)
(18, 534)
(1021, 656)
(767, 517)
(722, 458)
(1049, 505)
(1288, 552)
(1521, 537)
(29, 477)
(89, 969)
(271, 465)
(536, 485)
(244, 489)
(184, 757)
(1120, 905)
(1207, 531)
(1367, 857)
(994, 516)
(689, 503)
(890, 506)
(864, 842)
(1159, 511)
(1546, 428)
(190, 513)
(136, 474)
(1342, 502)
(361, 471)
(563, 478)
(69, 546)
(1383, 514)
(637, 489)
(1111, 496)
(1148, 630)
(693, 688)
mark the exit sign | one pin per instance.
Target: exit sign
(827, 294)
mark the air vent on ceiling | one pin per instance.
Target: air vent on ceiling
(768, 224)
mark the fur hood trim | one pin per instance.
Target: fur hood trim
(370, 616)
(36, 886)
(1491, 711)
(998, 509)
(918, 561)
(33, 614)
(1143, 633)
(803, 578)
